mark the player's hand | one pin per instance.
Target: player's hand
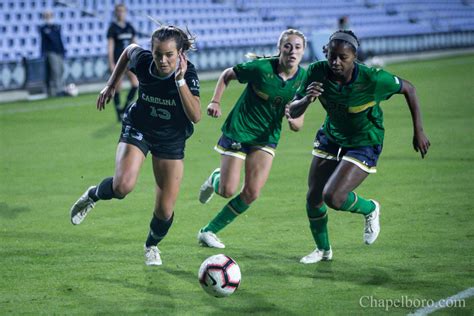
(421, 143)
(104, 97)
(182, 66)
(314, 90)
(214, 109)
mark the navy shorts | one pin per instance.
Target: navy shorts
(229, 147)
(364, 157)
(132, 136)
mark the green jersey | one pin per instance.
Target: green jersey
(256, 117)
(354, 117)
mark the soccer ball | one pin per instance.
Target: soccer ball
(219, 275)
(71, 90)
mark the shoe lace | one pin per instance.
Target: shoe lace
(368, 223)
(215, 237)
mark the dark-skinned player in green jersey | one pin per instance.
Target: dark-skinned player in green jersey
(347, 146)
(252, 129)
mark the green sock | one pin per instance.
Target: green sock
(318, 221)
(357, 204)
(216, 179)
(229, 212)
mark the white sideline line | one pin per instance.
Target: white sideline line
(31, 108)
(443, 302)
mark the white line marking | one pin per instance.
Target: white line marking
(39, 108)
(443, 302)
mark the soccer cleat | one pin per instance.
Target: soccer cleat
(207, 188)
(209, 239)
(82, 207)
(372, 225)
(317, 255)
(152, 256)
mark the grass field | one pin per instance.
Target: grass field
(52, 150)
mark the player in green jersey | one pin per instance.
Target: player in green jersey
(350, 141)
(252, 129)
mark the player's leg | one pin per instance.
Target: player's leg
(168, 175)
(339, 194)
(128, 161)
(133, 89)
(257, 168)
(224, 180)
(319, 173)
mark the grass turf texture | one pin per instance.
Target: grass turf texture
(52, 150)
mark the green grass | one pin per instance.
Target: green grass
(50, 153)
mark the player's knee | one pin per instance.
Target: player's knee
(122, 188)
(333, 199)
(227, 191)
(249, 195)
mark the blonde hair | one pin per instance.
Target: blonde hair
(282, 36)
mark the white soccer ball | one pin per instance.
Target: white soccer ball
(219, 275)
(71, 90)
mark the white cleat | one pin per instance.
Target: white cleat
(372, 225)
(206, 192)
(152, 256)
(209, 239)
(81, 208)
(316, 256)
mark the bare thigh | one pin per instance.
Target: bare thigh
(257, 169)
(168, 175)
(230, 175)
(319, 173)
(345, 178)
(128, 162)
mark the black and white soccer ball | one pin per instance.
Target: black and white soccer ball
(219, 275)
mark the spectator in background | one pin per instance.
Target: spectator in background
(52, 49)
(119, 35)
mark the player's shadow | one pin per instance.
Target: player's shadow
(11, 212)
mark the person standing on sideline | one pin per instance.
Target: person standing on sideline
(159, 122)
(52, 50)
(349, 143)
(251, 132)
(119, 35)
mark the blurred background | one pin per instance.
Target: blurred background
(225, 30)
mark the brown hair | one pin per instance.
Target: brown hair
(184, 39)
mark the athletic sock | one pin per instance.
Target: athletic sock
(357, 204)
(104, 191)
(229, 212)
(130, 96)
(216, 179)
(158, 230)
(318, 221)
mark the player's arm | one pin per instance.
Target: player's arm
(110, 53)
(299, 105)
(420, 141)
(214, 107)
(108, 92)
(191, 103)
(295, 124)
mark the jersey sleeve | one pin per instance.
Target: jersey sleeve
(110, 32)
(386, 85)
(301, 92)
(246, 71)
(134, 56)
(192, 79)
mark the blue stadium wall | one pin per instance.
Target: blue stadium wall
(21, 74)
